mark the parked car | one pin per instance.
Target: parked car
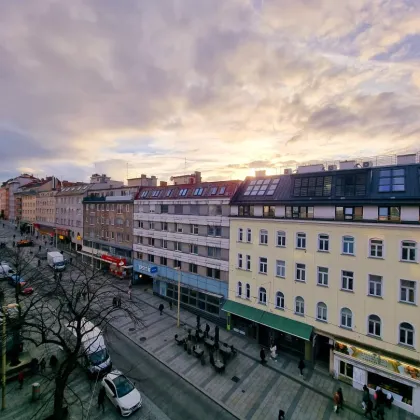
(16, 279)
(122, 393)
(24, 242)
(5, 270)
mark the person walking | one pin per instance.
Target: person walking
(161, 307)
(129, 294)
(170, 305)
(336, 399)
(281, 414)
(262, 356)
(42, 365)
(101, 399)
(273, 351)
(207, 330)
(340, 394)
(119, 301)
(368, 409)
(301, 366)
(21, 377)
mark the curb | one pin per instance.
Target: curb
(219, 403)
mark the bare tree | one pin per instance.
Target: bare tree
(57, 311)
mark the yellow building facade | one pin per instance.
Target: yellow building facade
(29, 207)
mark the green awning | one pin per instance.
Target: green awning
(277, 322)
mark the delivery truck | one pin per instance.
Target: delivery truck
(56, 260)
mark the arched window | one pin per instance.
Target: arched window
(346, 318)
(321, 311)
(248, 291)
(406, 334)
(300, 305)
(279, 300)
(374, 325)
(239, 289)
(262, 295)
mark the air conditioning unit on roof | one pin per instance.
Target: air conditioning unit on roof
(367, 164)
(288, 171)
(332, 167)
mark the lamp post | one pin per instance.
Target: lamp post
(179, 295)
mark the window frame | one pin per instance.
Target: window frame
(377, 247)
(412, 330)
(348, 280)
(302, 271)
(239, 261)
(301, 304)
(402, 248)
(263, 237)
(375, 282)
(342, 325)
(407, 292)
(391, 174)
(248, 262)
(301, 239)
(262, 293)
(281, 234)
(249, 235)
(324, 308)
(389, 217)
(239, 289)
(248, 291)
(240, 235)
(262, 264)
(280, 298)
(344, 241)
(375, 321)
(324, 275)
(348, 213)
(324, 239)
(282, 270)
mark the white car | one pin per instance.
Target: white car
(122, 393)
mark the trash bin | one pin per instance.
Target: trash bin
(36, 390)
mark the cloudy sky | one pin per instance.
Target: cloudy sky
(229, 85)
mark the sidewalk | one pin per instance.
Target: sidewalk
(248, 389)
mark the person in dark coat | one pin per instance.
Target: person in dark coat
(101, 399)
(369, 408)
(301, 366)
(281, 415)
(262, 355)
(211, 358)
(42, 365)
(161, 307)
(21, 377)
(340, 394)
(207, 330)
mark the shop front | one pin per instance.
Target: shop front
(45, 231)
(358, 367)
(118, 266)
(265, 328)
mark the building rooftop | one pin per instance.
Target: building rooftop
(390, 185)
(208, 190)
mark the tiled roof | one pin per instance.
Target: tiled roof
(349, 187)
(208, 190)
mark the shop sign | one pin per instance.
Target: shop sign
(115, 260)
(151, 270)
(61, 236)
(387, 363)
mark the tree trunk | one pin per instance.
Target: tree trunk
(63, 374)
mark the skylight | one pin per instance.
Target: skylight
(169, 192)
(183, 192)
(213, 191)
(262, 186)
(222, 190)
(144, 194)
(198, 191)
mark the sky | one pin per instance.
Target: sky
(219, 86)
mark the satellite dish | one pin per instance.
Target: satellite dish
(171, 178)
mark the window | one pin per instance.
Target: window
(213, 272)
(164, 244)
(192, 268)
(164, 208)
(351, 185)
(301, 212)
(127, 208)
(249, 235)
(151, 241)
(269, 211)
(348, 213)
(321, 311)
(313, 186)
(263, 237)
(198, 191)
(391, 180)
(248, 262)
(213, 191)
(376, 248)
(348, 245)
(346, 318)
(281, 238)
(375, 285)
(183, 192)
(163, 261)
(151, 225)
(164, 226)
(299, 306)
(248, 291)
(374, 325)
(322, 276)
(194, 249)
(246, 211)
(194, 229)
(239, 260)
(213, 252)
(409, 251)
(262, 296)
(178, 228)
(407, 291)
(346, 369)
(178, 246)
(406, 334)
(177, 264)
(222, 190)
(323, 243)
(301, 240)
(389, 214)
(347, 280)
(151, 258)
(279, 300)
(300, 272)
(281, 268)
(263, 265)
(240, 235)
(239, 289)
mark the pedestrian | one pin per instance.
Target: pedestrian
(273, 351)
(71, 260)
(366, 396)
(161, 307)
(39, 263)
(369, 408)
(42, 365)
(20, 379)
(119, 301)
(340, 393)
(281, 415)
(262, 356)
(301, 366)
(129, 295)
(207, 330)
(114, 302)
(170, 305)
(336, 399)
(101, 399)
(39, 248)
(60, 276)
(380, 412)
(84, 294)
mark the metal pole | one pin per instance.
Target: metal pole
(91, 242)
(179, 295)
(3, 362)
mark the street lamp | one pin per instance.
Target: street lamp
(3, 353)
(179, 294)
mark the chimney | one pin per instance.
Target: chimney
(197, 177)
(259, 173)
(142, 176)
(163, 184)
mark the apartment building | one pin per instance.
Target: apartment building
(325, 263)
(108, 228)
(181, 232)
(45, 206)
(25, 198)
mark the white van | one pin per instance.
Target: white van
(6, 271)
(56, 261)
(95, 354)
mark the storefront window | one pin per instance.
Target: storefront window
(346, 369)
(401, 392)
(213, 309)
(184, 298)
(193, 301)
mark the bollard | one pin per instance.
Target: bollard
(36, 391)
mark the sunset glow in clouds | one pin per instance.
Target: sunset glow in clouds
(230, 85)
